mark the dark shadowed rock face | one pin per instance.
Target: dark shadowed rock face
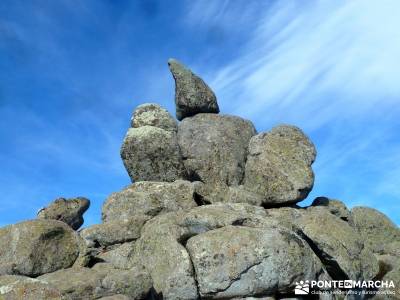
(214, 147)
(37, 247)
(192, 94)
(338, 245)
(278, 166)
(69, 211)
(336, 207)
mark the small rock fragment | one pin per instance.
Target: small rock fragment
(192, 94)
(69, 211)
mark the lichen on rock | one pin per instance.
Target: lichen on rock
(211, 213)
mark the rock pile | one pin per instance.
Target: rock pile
(211, 214)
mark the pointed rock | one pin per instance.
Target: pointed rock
(69, 211)
(192, 94)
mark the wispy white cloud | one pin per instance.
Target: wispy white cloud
(332, 68)
(319, 59)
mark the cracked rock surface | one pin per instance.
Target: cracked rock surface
(214, 147)
(69, 211)
(192, 94)
(37, 247)
(278, 166)
(237, 261)
(222, 250)
(152, 114)
(14, 287)
(151, 153)
(212, 213)
(148, 199)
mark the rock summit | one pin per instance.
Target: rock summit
(212, 213)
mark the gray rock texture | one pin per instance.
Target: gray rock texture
(114, 232)
(376, 229)
(120, 257)
(99, 281)
(115, 297)
(69, 211)
(214, 147)
(151, 114)
(239, 261)
(278, 166)
(77, 283)
(390, 293)
(212, 214)
(148, 199)
(183, 246)
(37, 247)
(336, 207)
(152, 154)
(210, 193)
(14, 287)
(192, 94)
(133, 283)
(338, 245)
(388, 257)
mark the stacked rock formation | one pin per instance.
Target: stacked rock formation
(211, 214)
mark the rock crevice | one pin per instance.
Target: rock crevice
(212, 213)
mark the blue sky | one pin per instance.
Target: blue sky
(73, 71)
